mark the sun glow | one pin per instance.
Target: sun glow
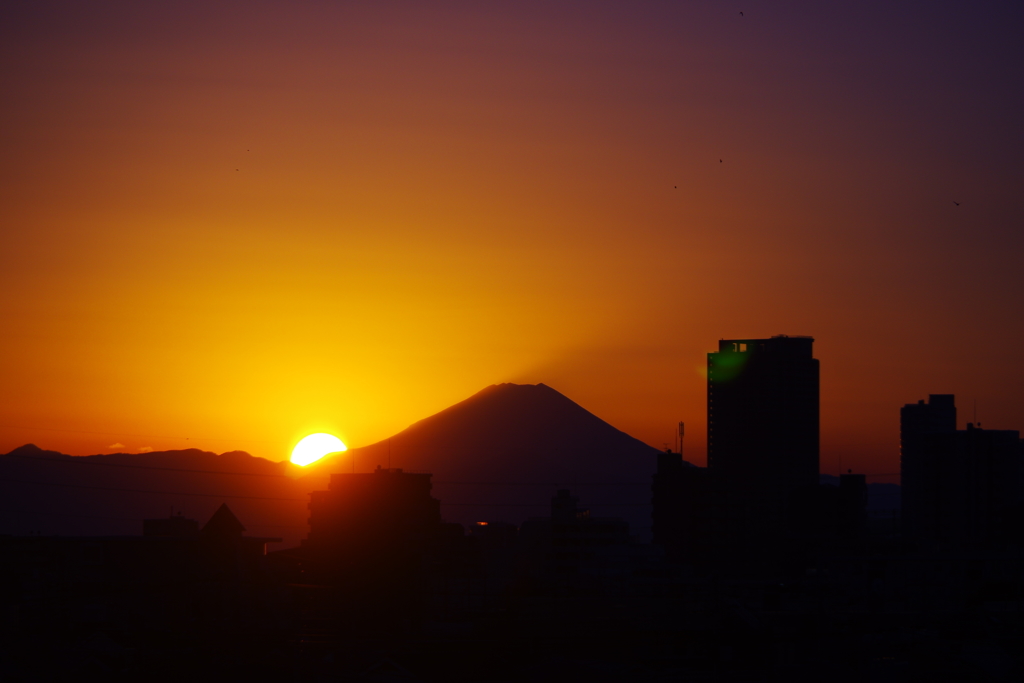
(314, 447)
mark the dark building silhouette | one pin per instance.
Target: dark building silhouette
(961, 488)
(571, 542)
(761, 482)
(695, 515)
(762, 442)
(387, 510)
(918, 421)
(763, 412)
(171, 527)
(373, 537)
(667, 505)
(853, 505)
(174, 581)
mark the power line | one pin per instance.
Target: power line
(544, 483)
(155, 493)
(137, 436)
(290, 500)
(130, 519)
(61, 514)
(73, 459)
(82, 460)
(539, 505)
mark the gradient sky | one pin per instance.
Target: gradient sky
(227, 225)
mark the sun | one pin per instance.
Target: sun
(314, 447)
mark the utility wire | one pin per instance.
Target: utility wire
(290, 500)
(82, 460)
(156, 493)
(137, 436)
(544, 483)
(61, 514)
(539, 505)
(131, 519)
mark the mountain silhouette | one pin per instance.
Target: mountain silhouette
(499, 455)
(50, 493)
(502, 453)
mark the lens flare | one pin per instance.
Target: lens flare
(314, 447)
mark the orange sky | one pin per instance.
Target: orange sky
(227, 225)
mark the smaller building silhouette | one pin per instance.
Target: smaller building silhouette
(571, 542)
(175, 578)
(361, 515)
(175, 526)
(919, 422)
(961, 488)
(374, 538)
(853, 505)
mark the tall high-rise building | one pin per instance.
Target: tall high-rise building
(759, 493)
(763, 414)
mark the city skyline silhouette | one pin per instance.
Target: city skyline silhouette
(636, 341)
(383, 555)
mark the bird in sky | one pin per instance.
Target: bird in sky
(956, 202)
(719, 161)
(741, 14)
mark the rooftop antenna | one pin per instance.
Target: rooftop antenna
(681, 432)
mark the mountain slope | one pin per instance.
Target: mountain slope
(510, 430)
(504, 452)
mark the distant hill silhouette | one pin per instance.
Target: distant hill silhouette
(56, 494)
(502, 453)
(499, 455)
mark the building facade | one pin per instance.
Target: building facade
(763, 410)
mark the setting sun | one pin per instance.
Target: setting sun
(314, 447)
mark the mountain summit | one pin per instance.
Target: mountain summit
(503, 453)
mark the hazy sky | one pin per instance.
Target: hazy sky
(227, 225)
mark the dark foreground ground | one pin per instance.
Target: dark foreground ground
(653, 628)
